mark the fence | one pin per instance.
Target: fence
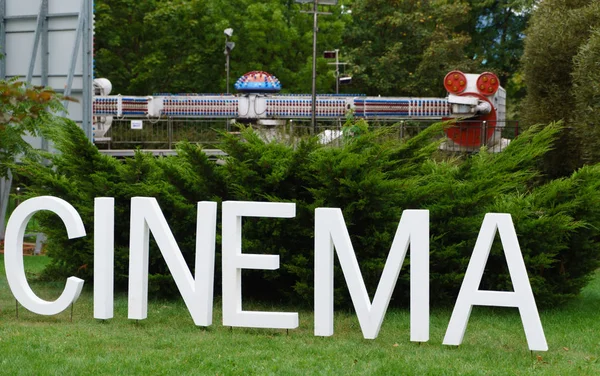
(161, 134)
(164, 134)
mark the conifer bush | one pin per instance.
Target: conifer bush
(369, 176)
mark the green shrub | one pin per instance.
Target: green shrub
(560, 72)
(79, 173)
(586, 91)
(371, 178)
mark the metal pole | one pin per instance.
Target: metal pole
(227, 69)
(45, 47)
(170, 132)
(2, 39)
(45, 54)
(36, 41)
(314, 66)
(227, 63)
(71, 74)
(483, 137)
(5, 185)
(337, 71)
(87, 70)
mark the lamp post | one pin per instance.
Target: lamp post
(228, 47)
(335, 55)
(337, 71)
(315, 12)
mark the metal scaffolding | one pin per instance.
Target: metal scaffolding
(45, 47)
(41, 42)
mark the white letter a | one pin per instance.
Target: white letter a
(522, 297)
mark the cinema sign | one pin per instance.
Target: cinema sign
(331, 235)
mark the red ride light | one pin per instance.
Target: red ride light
(455, 82)
(488, 83)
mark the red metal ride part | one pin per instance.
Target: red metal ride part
(455, 82)
(488, 83)
(468, 132)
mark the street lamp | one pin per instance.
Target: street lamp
(315, 12)
(336, 55)
(228, 47)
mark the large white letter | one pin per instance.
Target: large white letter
(234, 261)
(331, 232)
(521, 298)
(146, 216)
(104, 255)
(13, 254)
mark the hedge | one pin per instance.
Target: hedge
(369, 176)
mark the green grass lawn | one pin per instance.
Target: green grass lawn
(169, 343)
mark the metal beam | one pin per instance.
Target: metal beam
(5, 184)
(46, 39)
(88, 74)
(2, 39)
(84, 31)
(211, 153)
(36, 39)
(314, 68)
(79, 32)
(28, 17)
(45, 43)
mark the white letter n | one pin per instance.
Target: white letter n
(331, 233)
(197, 293)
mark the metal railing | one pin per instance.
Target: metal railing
(164, 134)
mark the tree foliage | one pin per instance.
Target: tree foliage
(548, 57)
(369, 177)
(406, 47)
(557, 32)
(177, 46)
(24, 110)
(586, 92)
(120, 41)
(497, 30)
(396, 47)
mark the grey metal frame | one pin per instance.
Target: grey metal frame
(83, 41)
(41, 20)
(2, 38)
(83, 35)
(5, 184)
(84, 32)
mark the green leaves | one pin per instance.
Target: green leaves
(559, 62)
(177, 46)
(24, 110)
(370, 177)
(406, 47)
(586, 92)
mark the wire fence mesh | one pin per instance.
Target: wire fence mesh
(161, 134)
(165, 133)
